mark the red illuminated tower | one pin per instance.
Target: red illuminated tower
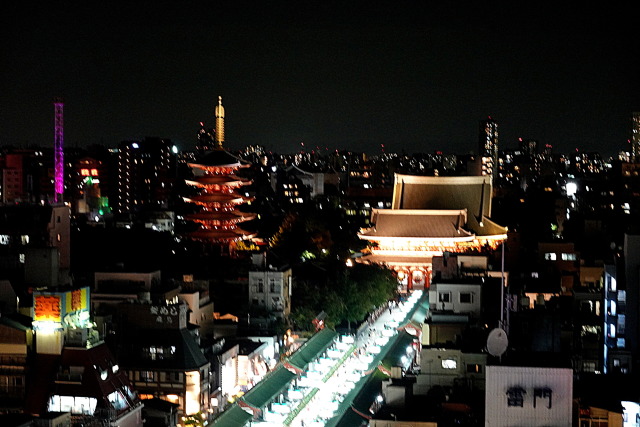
(59, 150)
(219, 193)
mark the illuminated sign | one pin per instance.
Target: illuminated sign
(4, 239)
(89, 172)
(165, 314)
(76, 300)
(47, 308)
(70, 308)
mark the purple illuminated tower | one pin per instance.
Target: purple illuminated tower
(59, 150)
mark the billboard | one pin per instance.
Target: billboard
(68, 308)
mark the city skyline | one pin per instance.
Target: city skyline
(411, 77)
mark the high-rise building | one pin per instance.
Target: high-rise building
(488, 146)
(206, 140)
(146, 175)
(11, 184)
(529, 147)
(635, 135)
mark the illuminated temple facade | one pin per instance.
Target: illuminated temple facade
(428, 217)
(219, 193)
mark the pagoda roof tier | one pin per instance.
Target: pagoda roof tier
(223, 180)
(222, 235)
(219, 158)
(418, 224)
(225, 199)
(232, 217)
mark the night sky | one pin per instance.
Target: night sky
(334, 75)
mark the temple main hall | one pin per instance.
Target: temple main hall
(430, 216)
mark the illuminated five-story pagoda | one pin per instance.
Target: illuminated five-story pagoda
(218, 193)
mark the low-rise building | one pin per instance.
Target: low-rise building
(162, 357)
(270, 289)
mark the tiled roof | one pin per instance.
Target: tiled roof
(221, 158)
(472, 193)
(410, 223)
(396, 260)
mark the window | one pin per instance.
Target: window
(612, 307)
(474, 368)
(146, 376)
(620, 343)
(273, 287)
(260, 285)
(612, 284)
(568, 257)
(550, 256)
(444, 296)
(449, 364)
(622, 296)
(515, 396)
(466, 297)
(586, 307)
(622, 320)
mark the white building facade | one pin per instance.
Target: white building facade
(270, 289)
(528, 396)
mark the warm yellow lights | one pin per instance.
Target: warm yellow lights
(192, 394)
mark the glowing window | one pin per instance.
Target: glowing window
(474, 368)
(622, 296)
(612, 307)
(449, 364)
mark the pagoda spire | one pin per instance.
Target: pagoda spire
(219, 113)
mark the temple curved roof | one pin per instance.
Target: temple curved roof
(230, 180)
(234, 216)
(222, 235)
(216, 198)
(219, 158)
(410, 223)
(471, 193)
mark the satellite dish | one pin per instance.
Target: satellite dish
(497, 342)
